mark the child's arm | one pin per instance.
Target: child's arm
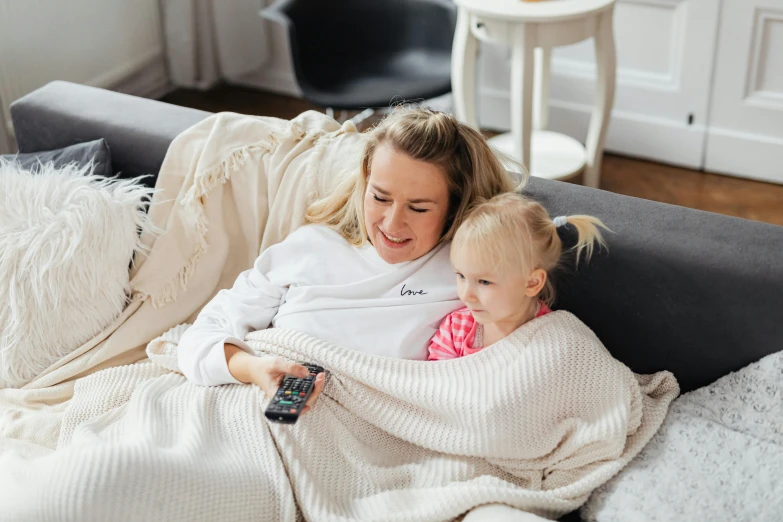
(442, 343)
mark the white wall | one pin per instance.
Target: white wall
(111, 43)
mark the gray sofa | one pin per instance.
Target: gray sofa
(696, 293)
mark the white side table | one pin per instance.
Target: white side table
(537, 26)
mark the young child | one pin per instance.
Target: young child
(504, 254)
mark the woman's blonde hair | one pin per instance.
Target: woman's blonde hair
(472, 170)
(511, 232)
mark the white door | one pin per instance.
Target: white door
(745, 135)
(665, 54)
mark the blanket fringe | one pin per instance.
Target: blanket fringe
(194, 201)
(195, 197)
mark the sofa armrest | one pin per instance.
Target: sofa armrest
(138, 130)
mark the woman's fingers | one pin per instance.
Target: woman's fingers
(319, 386)
(317, 389)
(291, 368)
(272, 370)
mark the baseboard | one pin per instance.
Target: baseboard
(630, 134)
(278, 81)
(744, 155)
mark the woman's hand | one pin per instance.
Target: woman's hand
(268, 372)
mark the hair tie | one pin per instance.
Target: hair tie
(559, 221)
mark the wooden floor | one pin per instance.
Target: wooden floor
(643, 179)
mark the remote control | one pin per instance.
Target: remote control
(291, 397)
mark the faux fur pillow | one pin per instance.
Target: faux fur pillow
(718, 456)
(66, 240)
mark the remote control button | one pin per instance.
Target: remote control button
(292, 410)
(288, 392)
(285, 402)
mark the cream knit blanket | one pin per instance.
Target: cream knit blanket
(536, 422)
(229, 187)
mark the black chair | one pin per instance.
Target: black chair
(357, 54)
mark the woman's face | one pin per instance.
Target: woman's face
(405, 205)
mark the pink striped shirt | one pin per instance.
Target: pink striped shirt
(457, 334)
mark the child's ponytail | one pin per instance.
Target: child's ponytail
(587, 230)
(514, 232)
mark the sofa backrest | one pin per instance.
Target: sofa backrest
(693, 292)
(137, 130)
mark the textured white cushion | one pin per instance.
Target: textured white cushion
(66, 240)
(718, 456)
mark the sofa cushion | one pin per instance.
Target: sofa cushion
(66, 239)
(81, 153)
(718, 456)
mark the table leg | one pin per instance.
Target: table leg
(541, 96)
(606, 62)
(522, 52)
(463, 70)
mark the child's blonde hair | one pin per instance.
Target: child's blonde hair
(472, 171)
(512, 232)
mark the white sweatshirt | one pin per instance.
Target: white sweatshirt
(317, 283)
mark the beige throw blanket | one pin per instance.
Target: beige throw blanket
(536, 422)
(229, 186)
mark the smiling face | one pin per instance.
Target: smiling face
(405, 205)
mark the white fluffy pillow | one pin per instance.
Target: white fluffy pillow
(66, 241)
(718, 456)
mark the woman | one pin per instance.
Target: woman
(370, 271)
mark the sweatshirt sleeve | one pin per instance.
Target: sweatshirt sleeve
(249, 305)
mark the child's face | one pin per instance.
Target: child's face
(494, 296)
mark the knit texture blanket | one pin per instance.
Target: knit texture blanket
(229, 187)
(537, 422)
